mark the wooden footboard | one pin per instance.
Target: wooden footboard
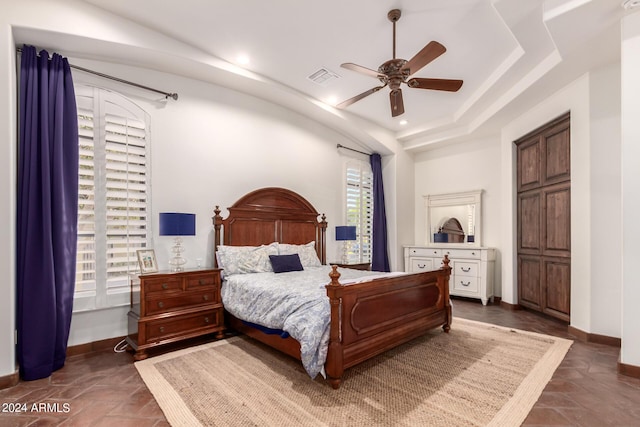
(371, 317)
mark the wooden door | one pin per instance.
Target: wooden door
(544, 219)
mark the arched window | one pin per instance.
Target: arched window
(113, 205)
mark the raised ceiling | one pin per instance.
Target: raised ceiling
(504, 50)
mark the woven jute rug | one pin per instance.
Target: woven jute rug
(476, 375)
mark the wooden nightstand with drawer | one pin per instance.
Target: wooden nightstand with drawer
(173, 306)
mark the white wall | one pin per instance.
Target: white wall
(630, 63)
(8, 134)
(606, 207)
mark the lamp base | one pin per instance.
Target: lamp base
(177, 261)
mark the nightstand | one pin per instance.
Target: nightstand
(354, 266)
(173, 306)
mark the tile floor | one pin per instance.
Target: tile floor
(103, 388)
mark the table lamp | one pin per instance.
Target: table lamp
(178, 225)
(345, 233)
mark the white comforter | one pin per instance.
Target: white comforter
(295, 302)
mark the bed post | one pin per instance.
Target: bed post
(334, 366)
(447, 301)
(217, 223)
(323, 240)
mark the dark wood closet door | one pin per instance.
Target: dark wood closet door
(544, 219)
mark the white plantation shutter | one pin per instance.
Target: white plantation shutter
(359, 204)
(113, 221)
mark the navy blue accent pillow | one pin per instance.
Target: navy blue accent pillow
(285, 263)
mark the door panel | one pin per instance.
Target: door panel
(544, 219)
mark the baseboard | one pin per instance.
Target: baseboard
(594, 338)
(9, 380)
(510, 306)
(93, 346)
(629, 370)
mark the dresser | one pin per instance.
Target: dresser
(472, 273)
(168, 307)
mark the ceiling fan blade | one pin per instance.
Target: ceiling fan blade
(357, 98)
(435, 84)
(428, 53)
(360, 69)
(397, 105)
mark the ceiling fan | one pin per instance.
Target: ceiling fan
(396, 71)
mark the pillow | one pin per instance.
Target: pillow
(246, 259)
(285, 263)
(307, 253)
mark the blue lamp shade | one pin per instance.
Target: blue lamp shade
(177, 224)
(346, 232)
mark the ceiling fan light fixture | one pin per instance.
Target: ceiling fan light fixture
(396, 71)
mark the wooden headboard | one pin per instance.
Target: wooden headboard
(271, 215)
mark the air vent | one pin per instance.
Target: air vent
(323, 76)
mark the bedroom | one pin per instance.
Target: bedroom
(225, 122)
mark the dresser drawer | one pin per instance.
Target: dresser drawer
(425, 252)
(419, 265)
(466, 269)
(462, 253)
(161, 304)
(168, 284)
(178, 326)
(464, 284)
(202, 280)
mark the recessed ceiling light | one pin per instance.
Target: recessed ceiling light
(242, 59)
(403, 122)
(331, 100)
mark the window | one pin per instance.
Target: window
(113, 203)
(359, 209)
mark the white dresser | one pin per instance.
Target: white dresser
(471, 268)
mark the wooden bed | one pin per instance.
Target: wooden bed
(367, 318)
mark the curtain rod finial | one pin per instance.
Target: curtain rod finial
(172, 95)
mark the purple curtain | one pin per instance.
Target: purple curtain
(379, 256)
(47, 212)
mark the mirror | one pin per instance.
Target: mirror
(454, 218)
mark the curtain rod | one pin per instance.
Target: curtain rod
(352, 149)
(106, 76)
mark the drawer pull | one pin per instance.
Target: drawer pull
(165, 286)
(206, 320)
(160, 304)
(435, 252)
(201, 282)
(205, 297)
(473, 253)
(465, 284)
(161, 328)
(422, 265)
(468, 269)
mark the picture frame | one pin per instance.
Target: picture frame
(147, 261)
